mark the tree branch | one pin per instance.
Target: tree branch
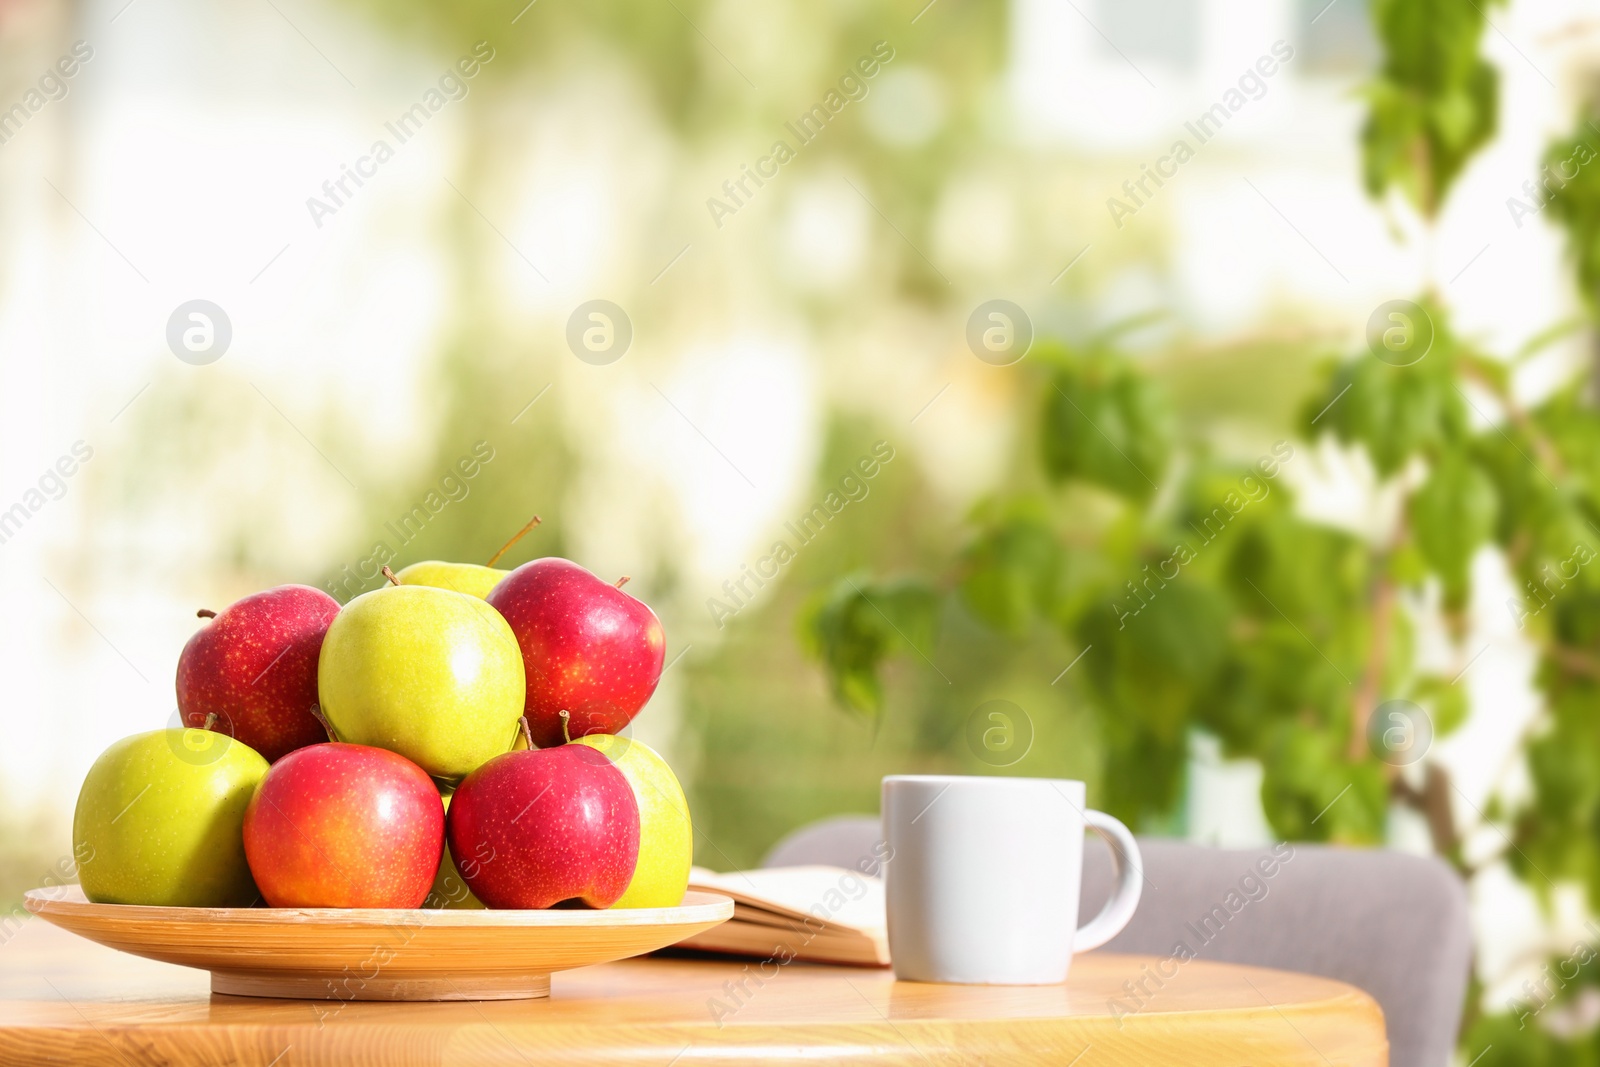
(1573, 660)
(1433, 801)
(1384, 595)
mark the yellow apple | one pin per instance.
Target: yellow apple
(449, 888)
(431, 674)
(160, 820)
(469, 578)
(666, 838)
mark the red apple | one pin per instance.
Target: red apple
(535, 827)
(588, 648)
(255, 667)
(344, 826)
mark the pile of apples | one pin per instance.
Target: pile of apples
(452, 739)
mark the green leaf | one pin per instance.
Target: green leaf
(1301, 635)
(1013, 570)
(1516, 1040)
(1396, 412)
(1547, 530)
(1312, 793)
(1568, 437)
(1555, 830)
(1449, 710)
(1154, 651)
(1434, 101)
(1143, 774)
(1286, 567)
(1574, 202)
(856, 625)
(1446, 701)
(1452, 515)
(1103, 423)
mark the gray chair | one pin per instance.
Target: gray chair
(1392, 924)
(845, 841)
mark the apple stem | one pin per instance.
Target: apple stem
(211, 720)
(316, 713)
(389, 574)
(205, 613)
(624, 580)
(527, 734)
(566, 722)
(519, 535)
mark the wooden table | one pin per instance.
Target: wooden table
(64, 1000)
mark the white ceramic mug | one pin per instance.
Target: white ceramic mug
(983, 876)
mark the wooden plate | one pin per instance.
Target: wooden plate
(377, 953)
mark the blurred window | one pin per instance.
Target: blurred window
(1334, 38)
(1152, 31)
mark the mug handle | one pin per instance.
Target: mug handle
(1128, 866)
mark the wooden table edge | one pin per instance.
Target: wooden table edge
(1332, 1022)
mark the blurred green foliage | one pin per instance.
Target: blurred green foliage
(1571, 183)
(1202, 599)
(1435, 100)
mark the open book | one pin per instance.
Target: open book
(820, 914)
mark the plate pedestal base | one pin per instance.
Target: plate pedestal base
(354, 987)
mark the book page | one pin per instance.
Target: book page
(836, 895)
